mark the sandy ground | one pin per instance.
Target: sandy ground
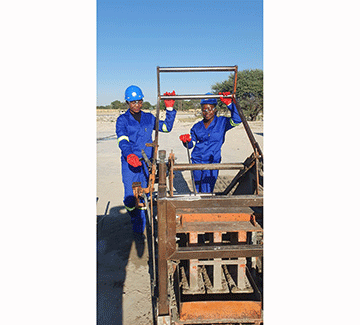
(123, 280)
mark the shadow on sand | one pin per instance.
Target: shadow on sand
(180, 184)
(114, 241)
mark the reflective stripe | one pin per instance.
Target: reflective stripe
(129, 209)
(123, 137)
(164, 128)
(233, 124)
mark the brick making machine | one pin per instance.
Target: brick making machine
(206, 250)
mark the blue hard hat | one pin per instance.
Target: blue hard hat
(133, 93)
(210, 101)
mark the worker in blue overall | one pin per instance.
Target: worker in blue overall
(207, 138)
(134, 129)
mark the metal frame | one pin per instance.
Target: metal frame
(193, 215)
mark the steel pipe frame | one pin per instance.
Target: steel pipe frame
(218, 202)
(198, 69)
(192, 96)
(193, 69)
(161, 97)
(225, 166)
(255, 145)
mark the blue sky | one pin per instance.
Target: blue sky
(134, 37)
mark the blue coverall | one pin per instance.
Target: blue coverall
(132, 137)
(207, 143)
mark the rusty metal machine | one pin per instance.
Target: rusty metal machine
(206, 249)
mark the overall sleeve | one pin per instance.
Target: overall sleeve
(235, 119)
(167, 124)
(123, 137)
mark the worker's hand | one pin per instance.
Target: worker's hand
(226, 101)
(133, 160)
(185, 138)
(169, 103)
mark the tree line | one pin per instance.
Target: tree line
(249, 93)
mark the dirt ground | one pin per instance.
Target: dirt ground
(123, 278)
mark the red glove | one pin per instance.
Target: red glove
(185, 138)
(226, 101)
(169, 102)
(133, 160)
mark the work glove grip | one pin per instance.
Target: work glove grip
(133, 160)
(169, 103)
(226, 101)
(185, 138)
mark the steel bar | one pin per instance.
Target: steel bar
(151, 225)
(157, 114)
(192, 96)
(237, 177)
(162, 275)
(199, 202)
(225, 262)
(170, 229)
(191, 172)
(162, 174)
(226, 251)
(235, 80)
(218, 226)
(212, 210)
(171, 172)
(225, 166)
(147, 160)
(197, 69)
(253, 142)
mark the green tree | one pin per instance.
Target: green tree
(146, 105)
(116, 104)
(162, 105)
(123, 106)
(249, 91)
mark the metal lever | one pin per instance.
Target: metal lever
(146, 159)
(192, 175)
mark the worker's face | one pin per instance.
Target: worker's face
(208, 112)
(135, 106)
